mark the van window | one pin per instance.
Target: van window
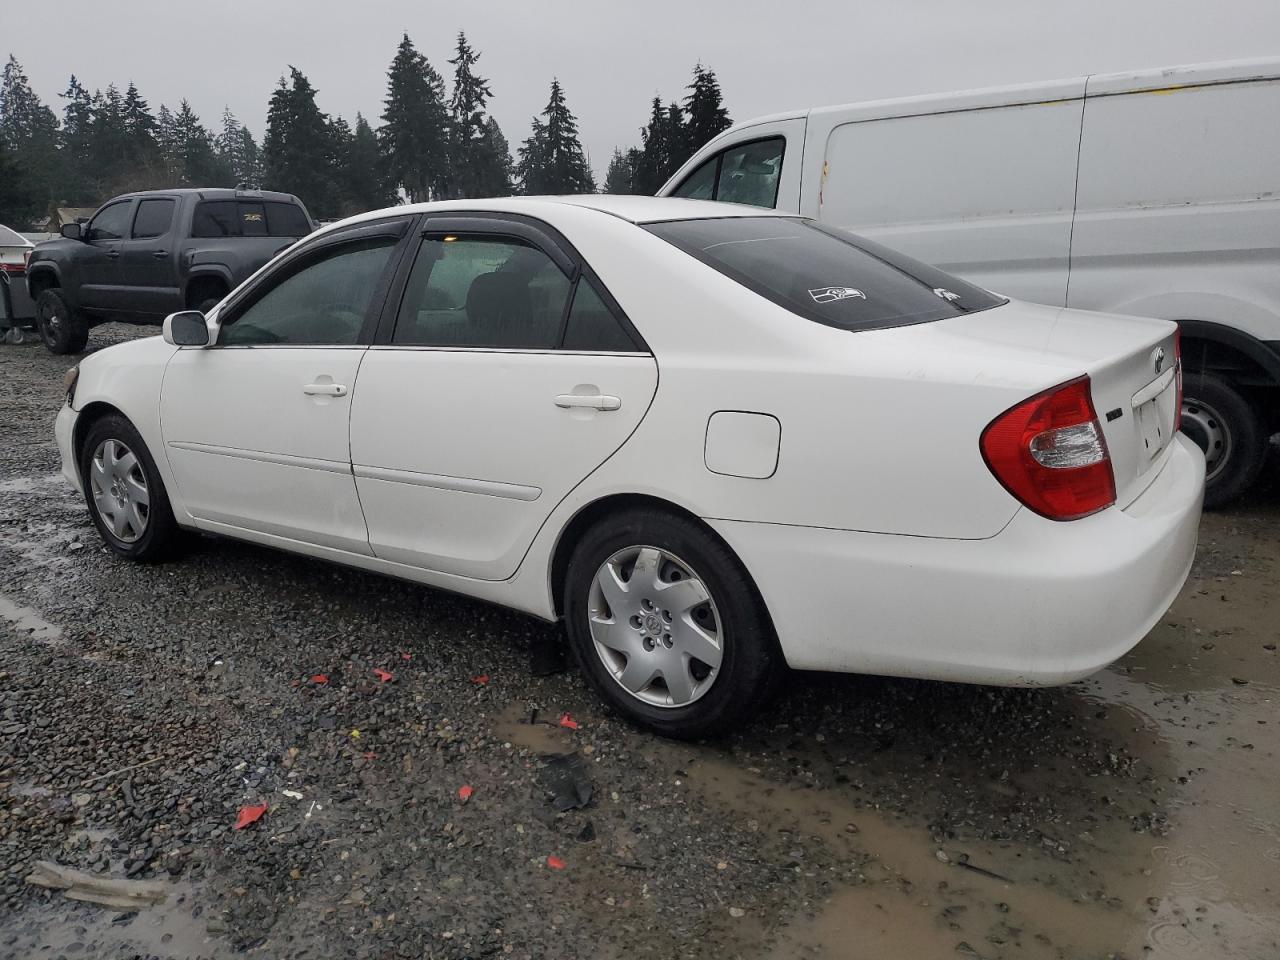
(825, 275)
(744, 173)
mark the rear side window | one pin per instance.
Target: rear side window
(592, 326)
(744, 173)
(249, 218)
(152, 219)
(825, 275)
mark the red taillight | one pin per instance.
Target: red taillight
(1177, 367)
(1050, 453)
(15, 268)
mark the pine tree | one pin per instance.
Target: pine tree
(198, 165)
(498, 170)
(237, 152)
(617, 179)
(478, 167)
(677, 137)
(705, 108)
(552, 160)
(29, 131)
(366, 186)
(140, 127)
(415, 131)
(167, 141)
(77, 167)
(16, 206)
(655, 152)
(297, 145)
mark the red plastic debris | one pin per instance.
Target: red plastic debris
(406, 656)
(568, 722)
(555, 863)
(464, 792)
(250, 814)
(383, 675)
(480, 680)
(320, 678)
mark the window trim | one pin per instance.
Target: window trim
(173, 215)
(718, 157)
(544, 237)
(103, 209)
(308, 253)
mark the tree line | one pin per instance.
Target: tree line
(434, 141)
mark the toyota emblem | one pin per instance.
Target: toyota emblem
(1157, 359)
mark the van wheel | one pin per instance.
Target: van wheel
(667, 626)
(1228, 429)
(62, 328)
(126, 497)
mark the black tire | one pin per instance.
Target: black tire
(161, 535)
(62, 327)
(1230, 432)
(751, 663)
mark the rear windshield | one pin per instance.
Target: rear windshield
(249, 218)
(825, 275)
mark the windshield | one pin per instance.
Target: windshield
(825, 275)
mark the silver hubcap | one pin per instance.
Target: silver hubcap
(656, 628)
(1202, 424)
(120, 490)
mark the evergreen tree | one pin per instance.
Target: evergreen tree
(29, 131)
(365, 185)
(552, 160)
(238, 152)
(198, 164)
(479, 167)
(297, 143)
(677, 137)
(17, 208)
(621, 172)
(109, 143)
(140, 128)
(78, 165)
(167, 141)
(498, 171)
(415, 132)
(655, 152)
(705, 108)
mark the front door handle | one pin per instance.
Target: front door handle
(595, 402)
(113, 254)
(159, 254)
(325, 390)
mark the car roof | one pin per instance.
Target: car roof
(11, 238)
(638, 209)
(212, 193)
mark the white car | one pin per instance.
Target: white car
(714, 440)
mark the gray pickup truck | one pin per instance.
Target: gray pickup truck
(145, 255)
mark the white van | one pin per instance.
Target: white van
(1155, 193)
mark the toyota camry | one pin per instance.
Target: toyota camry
(715, 441)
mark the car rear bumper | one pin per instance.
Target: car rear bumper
(1040, 603)
(64, 432)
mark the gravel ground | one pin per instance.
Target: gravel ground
(1133, 814)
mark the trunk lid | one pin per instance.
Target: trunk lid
(1131, 363)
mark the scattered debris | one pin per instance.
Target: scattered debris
(588, 833)
(355, 734)
(250, 814)
(292, 794)
(555, 863)
(567, 721)
(320, 679)
(565, 776)
(385, 676)
(737, 913)
(981, 871)
(464, 792)
(481, 680)
(104, 891)
(129, 769)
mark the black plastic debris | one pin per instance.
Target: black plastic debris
(547, 655)
(565, 777)
(587, 833)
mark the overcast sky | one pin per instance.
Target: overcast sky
(613, 57)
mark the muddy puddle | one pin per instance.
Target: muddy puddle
(26, 620)
(1195, 875)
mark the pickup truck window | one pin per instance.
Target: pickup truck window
(111, 222)
(248, 218)
(152, 219)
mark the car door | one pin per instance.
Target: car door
(504, 374)
(148, 259)
(256, 425)
(101, 281)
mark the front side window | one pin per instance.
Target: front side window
(482, 291)
(744, 173)
(324, 302)
(828, 276)
(111, 223)
(152, 219)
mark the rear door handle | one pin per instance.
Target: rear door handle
(159, 254)
(113, 254)
(325, 390)
(596, 402)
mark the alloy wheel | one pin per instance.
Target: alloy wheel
(119, 488)
(655, 626)
(1206, 427)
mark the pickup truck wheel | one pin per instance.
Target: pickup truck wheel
(1228, 429)
(207, 305)
(62, 328)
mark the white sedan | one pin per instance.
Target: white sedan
(712, 439)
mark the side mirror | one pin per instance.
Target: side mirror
(186, 329)
(71, 231)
